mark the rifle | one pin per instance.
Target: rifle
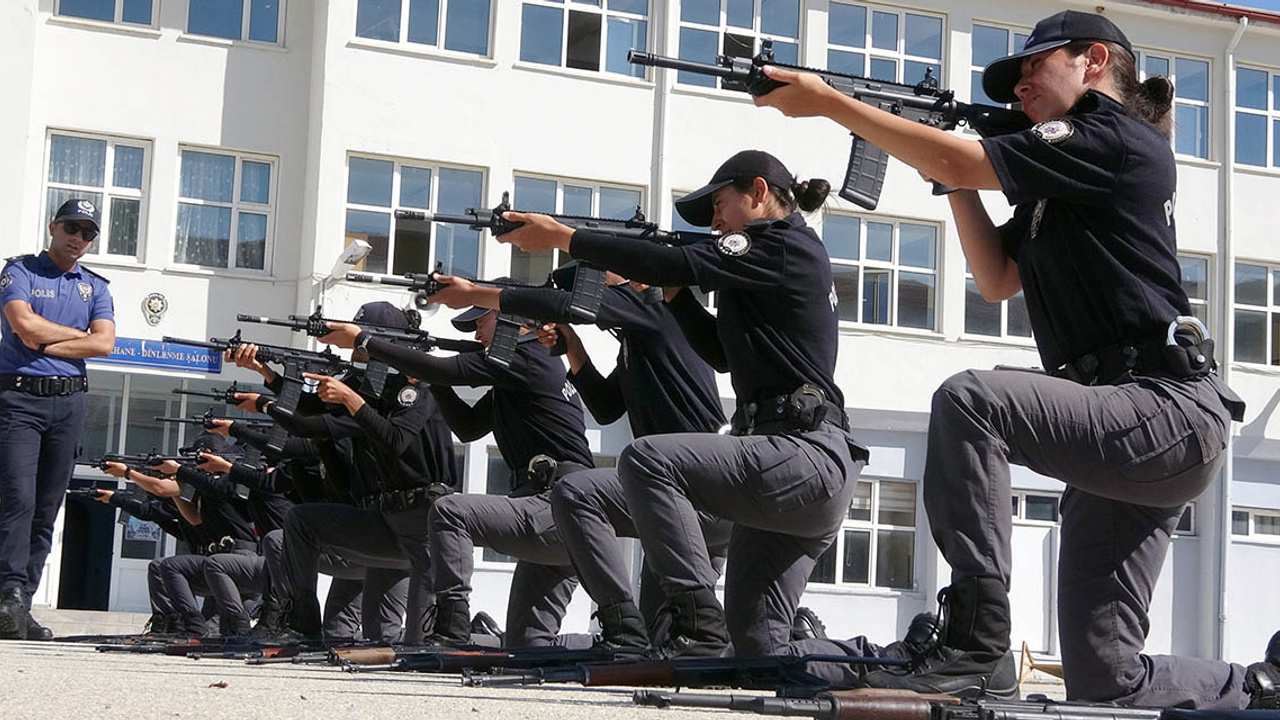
(86, 492)
(226, 395)
(923, 102)
(907, 705)
(468, 660)
(755, 673)
(206, 420)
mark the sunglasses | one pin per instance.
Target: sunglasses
(75, 228)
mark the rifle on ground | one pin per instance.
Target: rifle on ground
(436, 660)
(756, 673)
(881, 704)
(923, 102)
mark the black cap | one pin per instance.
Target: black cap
(696, 208)
(466, 322)
(78, 209)
(210, 442)
(381, 313)
(1068, 26)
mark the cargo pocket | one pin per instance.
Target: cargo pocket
(1157, 442)
(785, 478)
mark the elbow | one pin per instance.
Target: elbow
(103, 344)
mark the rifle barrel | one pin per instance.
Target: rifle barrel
(381, 279)
(263, 320)
(637, 57)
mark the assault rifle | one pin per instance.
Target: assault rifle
(206, 420)
(434, 660)
(226, 395)
(923, 102)
(867, 703)
(91, 492)
(755, 673)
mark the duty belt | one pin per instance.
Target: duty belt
(44, 385)
(542, 472)
(229, 544)
(805, 409)
(398, 500)
(1184, 351)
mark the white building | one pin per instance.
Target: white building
(236, 145)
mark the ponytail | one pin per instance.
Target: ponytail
(1150, 101)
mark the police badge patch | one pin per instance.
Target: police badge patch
(154, 306)
(407, 396)
(5, 281)
(734, 244)
(85, 290)
(1054, 131)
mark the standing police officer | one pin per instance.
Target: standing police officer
(56, 314)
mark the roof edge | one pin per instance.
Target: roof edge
(1233, 11)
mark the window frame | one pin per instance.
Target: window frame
(602, 9)
(893, 266)
(1270, 313)
(97, 251)
(1271, 115)
(594, 185)
(118, 15)
(1205, 302)
(754, 32)
(1172, 58)
(402, 41)
(1011, 46)
(1188, 513)
(1004, 335)
(1020, 515)
(874, 527)
(899, 54)
(397, 166)
(236, 205)
(1252, 535)
(245, 16)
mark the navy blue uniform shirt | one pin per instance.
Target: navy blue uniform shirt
(776, 320)
(661, 384)
(73, 299)
(1093, 231)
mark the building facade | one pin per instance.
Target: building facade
(237, 146)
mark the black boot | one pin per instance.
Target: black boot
(193, 625)
(484, 624)
(697, 626)
(921, 639)
(973, 658)
(453, 624)
(268, 620)
(157, 624)
(14, 618)
(36, 631)
(1262, 679)
(622, 627)
(300, 623)
(807, 625)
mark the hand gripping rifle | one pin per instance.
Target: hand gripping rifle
(923, 102)
(226, 395)
(877, 704)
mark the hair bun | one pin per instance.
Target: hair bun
(1158, 91)
(810, 194)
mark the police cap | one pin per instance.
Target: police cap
(696, 207)
(1001, 76)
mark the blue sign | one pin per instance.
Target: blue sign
(136, 352)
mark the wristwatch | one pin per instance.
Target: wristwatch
(362, 341)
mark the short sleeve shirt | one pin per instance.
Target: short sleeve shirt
(73, 298)
(1093, 231)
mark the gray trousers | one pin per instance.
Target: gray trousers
(1132, 455)
(786, 496)
(590, 510)
(380, 605)
(366, 537)
(521, 527)
(232, 578)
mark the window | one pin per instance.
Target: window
(1191, 99)
(376, 188)
(110, 172)
(596, 37)
(497, 482)
(878, 542)
(225, 210)
(885, 272)
(884, 43)
(1257, 314)
(1256, 524)
(678, 224)
(252, 20)
(1007, 318)
(735, 28)
(1035, 507)
(567, 197)
(466, 23)
(133, 12)
(1257, 117)
(1187, 523)
(990, 43)
(1195, 281)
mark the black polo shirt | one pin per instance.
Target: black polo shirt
(531, 410)
(661, 384)
(1093, 231)
(776, 316)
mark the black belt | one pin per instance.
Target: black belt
(44, 385)
(397, 500)
(229, 544)
(542, 472)
(1116, 364)
(805, 409)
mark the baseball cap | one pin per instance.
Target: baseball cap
(210, 442)
(78, 209)
(381, 313)
(696, 207)
(466, 321)
(1001, 76)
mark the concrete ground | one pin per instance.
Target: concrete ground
(64, 680)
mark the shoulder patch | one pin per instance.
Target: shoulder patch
(734, 244)
(5, 281)
(94, 274)
(1054, 131)
(16, 258)
(407, 396)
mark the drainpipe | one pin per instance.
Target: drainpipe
(1226, 274)
(661, 91)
